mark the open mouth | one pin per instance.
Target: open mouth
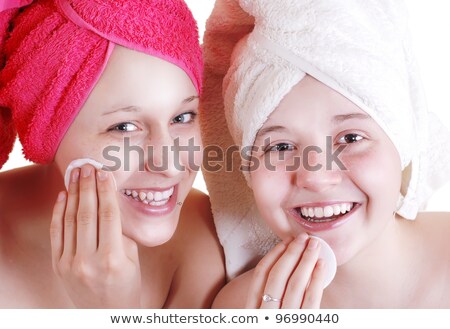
(150, 197)
(327, 213)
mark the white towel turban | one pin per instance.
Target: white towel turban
(360, 48)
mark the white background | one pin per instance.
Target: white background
(430, 28)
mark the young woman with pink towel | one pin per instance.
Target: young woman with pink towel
(90, 80)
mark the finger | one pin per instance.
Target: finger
(314, 292)
(299, 280)
(131, 249)
(87, 212)
(70, 216)
(260, 274)
(110, 227)
(56, 229)
(282, 270)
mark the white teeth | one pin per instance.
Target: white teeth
(336, 209)
(158, 196)
(318, 212)
(154, 198)
(304, 212)
(159, 203)
(168, 193)
(327, 211)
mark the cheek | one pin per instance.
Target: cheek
(271, 189)
(377, 174)
(76, 146)
(190, 152)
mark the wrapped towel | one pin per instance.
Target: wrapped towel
(52, 53)
(241, 232)
(359, 48)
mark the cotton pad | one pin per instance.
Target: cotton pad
(78, 163)
(327, 255)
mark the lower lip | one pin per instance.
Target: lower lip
(323, 226)
(150, 210)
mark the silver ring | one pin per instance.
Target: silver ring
(267, 298)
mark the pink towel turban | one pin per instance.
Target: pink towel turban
(52, 53)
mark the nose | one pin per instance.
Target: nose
(161, 156)
(316, 173)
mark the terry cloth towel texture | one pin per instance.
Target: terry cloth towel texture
(52, 53)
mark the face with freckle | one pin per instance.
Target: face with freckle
(140, 118)
(370, 181)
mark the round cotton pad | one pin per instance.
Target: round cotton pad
(327, 254)
(78, 163)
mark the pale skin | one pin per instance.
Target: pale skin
(384, 261)
(92, 247)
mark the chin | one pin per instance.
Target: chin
(151, 237)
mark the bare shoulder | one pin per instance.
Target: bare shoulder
(201, 271)
(234, 294)
(7, 179)
(196, 220)
(434, 228)
(197, 203)
(434, 224)
(17, 183)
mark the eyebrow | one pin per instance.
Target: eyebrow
(344, 117)
(266, 130)
(189, 99)
(124, 109)
(336, 119)
(138, 109)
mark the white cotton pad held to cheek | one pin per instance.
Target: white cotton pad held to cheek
(329, 258)
(78, 163)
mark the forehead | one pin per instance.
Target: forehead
(312, 99)
(137, 79)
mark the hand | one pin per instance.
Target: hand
(291, 273)
(98, 265)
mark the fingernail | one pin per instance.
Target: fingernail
(102, 175)
(75, 175)
(86, 171)
(61, 196)
(313, 243)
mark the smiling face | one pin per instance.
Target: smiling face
(347, 201)
(140, 108)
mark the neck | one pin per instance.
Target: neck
(380, 275)
(27, 207)
(52, 181)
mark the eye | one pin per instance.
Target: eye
(280, 147)
(350, 138)
(124, 127)
(184, 118)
